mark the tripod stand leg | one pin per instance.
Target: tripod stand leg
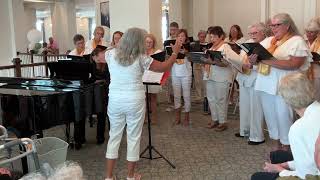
(173, 166)
(145, 150)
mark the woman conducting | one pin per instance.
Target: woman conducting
(127, 107)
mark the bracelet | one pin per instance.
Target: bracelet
(173, 53)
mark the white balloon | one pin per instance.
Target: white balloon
(34, 36)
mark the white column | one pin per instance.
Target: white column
(175, 11)
(7, 43)
(201, 15)
(318, 9)
(181, 11)
(309, 11)
(265, 10)
(64, 24)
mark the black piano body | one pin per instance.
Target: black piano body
(31, 105)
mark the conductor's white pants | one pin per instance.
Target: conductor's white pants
(217, 94)
(251, 114)
(278, 115)
(184, 84)
(122, 113)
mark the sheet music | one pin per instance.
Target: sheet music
(152, 77)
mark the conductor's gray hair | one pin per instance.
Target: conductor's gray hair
(131, 46)
(65, 171)
(261, 27)
(297, 90)
(286, 19)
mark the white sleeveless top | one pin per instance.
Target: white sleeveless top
(126, 81)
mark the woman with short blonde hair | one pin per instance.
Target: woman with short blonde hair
(126, 107)
(153, 90)
(98, 35)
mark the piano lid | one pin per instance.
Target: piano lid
(45, 82)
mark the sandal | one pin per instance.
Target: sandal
(212, 126)
(136, 176)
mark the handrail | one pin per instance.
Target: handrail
(27, 65)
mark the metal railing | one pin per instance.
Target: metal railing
(29, 65)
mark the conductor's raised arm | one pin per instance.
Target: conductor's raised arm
(158, 66)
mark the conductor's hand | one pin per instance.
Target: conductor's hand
(177, 46)
(253, 58)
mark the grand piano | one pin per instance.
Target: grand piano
(31, 105)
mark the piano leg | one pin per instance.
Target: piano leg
(79, 133)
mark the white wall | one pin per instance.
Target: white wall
(229, 12)
(7, 43)
(125, 14)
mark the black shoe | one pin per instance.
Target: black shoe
(255, 143)
(238, 135)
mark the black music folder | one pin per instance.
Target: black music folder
(173, 41)
(315, 57)
(161, 56)
(198, 47)
(257, 48)
(202, 57)
(215, 55)
(169, 52)
(198, 57)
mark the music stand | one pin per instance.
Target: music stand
(150, 147)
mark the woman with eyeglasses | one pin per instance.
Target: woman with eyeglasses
(313, 41)
(219, 75)
(251, 115)
(292, 54)
(235, 35)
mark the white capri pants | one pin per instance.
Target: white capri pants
(251, 114)
(122, 113)
(278, 115)
(183, 83)
(217, 94)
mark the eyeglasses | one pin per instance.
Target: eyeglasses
(253, 33)
(275, 25)
(311, 32)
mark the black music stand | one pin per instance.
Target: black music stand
(150, 147)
